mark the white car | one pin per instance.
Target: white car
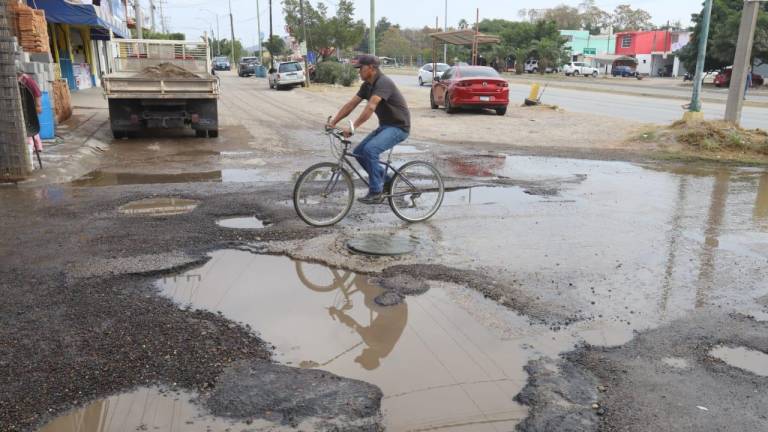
(425, 73)
(580, 68)
(286, 74)
(531, 66)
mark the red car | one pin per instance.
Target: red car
(723, 78)
(470, 87)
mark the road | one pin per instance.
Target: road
(636, 108)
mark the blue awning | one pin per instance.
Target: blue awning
(63, 12)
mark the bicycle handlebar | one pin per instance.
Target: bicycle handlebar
(338, 132)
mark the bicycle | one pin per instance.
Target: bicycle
(324, 193)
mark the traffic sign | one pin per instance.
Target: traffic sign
(590, 51)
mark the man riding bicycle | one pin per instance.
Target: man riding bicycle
(390, 107)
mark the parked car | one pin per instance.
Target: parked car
(531, 66)
(623, 71)
(247, 66)
(580, 68)
(425, 73)
(470, 87)
(286, 74)
(221, 63)
(723, 78)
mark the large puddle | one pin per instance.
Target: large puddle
(743, 358)
(159, 207)
(444, 359)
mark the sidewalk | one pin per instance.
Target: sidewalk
(78, 140)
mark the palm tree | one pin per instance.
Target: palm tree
(521, 54)
(463, 24)
(549, 53)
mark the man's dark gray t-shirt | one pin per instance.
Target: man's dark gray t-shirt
(392, 110)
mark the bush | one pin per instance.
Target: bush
(328, 72)
(348, 75)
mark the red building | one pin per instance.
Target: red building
(654, 50)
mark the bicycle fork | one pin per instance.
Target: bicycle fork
(332, 182)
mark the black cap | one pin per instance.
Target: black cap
(367, 60)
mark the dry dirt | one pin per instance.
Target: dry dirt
(165, 71)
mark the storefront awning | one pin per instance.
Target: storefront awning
(64, 12)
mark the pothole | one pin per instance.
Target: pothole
(243, 222)
(487, 195)
(145, 409)
(436, 364)
(107, 178)
(159, 207)
(743, 358)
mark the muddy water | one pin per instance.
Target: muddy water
(145, 409)
(743, 358)
(445, 358)
(633, 244)
(159, 207)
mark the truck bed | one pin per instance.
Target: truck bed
(125, 85)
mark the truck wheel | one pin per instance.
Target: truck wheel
(213, 133)
(117, 134)
(200, 133)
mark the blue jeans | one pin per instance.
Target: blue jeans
(368, 151)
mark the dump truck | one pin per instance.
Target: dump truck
(161, 84)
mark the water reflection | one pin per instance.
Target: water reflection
(712, 229)
(761, 203)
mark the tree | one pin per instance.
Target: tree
(149, 34)
(549, 52)
(345, 32)
(393, 44)
(625, 18)
(723, 35)
(324, 32)
(463, 24)
(566, 17)
(593, 18)
(275, 45)
(226, 48)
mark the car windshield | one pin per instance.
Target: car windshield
(290, 67)
(442, 67)
(220, 59)
(248, 60)
(478, 72)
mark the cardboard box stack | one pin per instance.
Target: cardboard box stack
(31, 28)
(62, 103)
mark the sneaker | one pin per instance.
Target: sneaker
(372, 198)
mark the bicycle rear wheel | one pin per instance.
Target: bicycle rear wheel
(417, 192)
(323, 194)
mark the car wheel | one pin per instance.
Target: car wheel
(448, 107)
(421, 82)
(432, 103)
(501, 111)
(575, 73)
(594, 74)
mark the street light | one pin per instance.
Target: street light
(694, 111)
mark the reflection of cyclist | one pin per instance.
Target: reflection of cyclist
(394, 122)
(382, 333)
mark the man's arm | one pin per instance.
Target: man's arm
(370, 108)
(346, 110)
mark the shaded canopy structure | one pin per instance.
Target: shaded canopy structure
(466, 37)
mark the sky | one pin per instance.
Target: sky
(195, 16)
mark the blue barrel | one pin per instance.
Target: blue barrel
(47, 122)
(261, 71)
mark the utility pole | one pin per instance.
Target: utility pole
(258, 29)
(306, 46)
(742, 61)
(163, 26)
(445, 29)
(232, 31)
(139, 18)
(695, 106)
(14, 152)
(372, 33)
(152, 15)
(271, 56)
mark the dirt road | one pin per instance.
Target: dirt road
(547, 294)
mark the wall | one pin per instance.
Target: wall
(644, 42)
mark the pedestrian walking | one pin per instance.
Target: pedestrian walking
(31, 105)
(749, 82)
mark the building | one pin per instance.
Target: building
(654, 50)
(582, 45)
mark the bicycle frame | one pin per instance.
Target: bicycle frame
(344, 158)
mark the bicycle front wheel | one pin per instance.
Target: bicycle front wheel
(323, 194)
(417, 191)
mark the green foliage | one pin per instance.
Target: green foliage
(226, 48)
(723, 34)
(521, 40)
(149, 34)
(275, 46)
(393, 43)
(625, 18)
(348, 76)
(324, 32)
(328, 72)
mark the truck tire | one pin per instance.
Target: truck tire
(200, 133)
(118, 134)
(213, 133)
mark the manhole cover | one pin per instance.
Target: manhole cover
(382, 244)
(159, 207)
